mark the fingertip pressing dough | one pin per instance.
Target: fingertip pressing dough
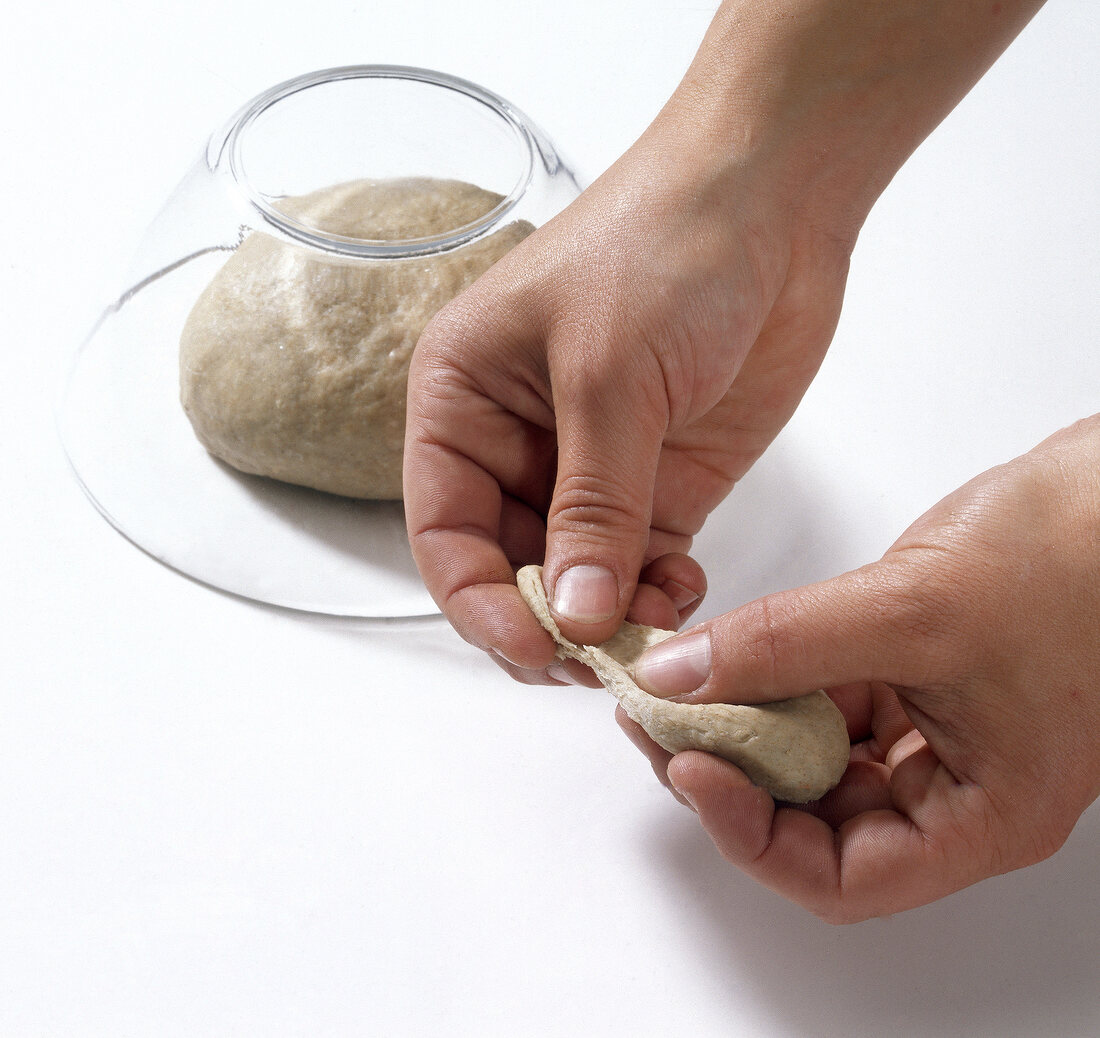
(295, 366)
(797, 749)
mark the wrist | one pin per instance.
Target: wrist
(816, 104)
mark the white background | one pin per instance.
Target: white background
(218, 818)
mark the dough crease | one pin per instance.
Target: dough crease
(797, 749)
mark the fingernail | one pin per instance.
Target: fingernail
(507, 659)
(685, 797)
(632, 732)
(677, 666)
(681, 596)
(558, 673)
(586, 594)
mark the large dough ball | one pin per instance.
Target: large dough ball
(295, 366)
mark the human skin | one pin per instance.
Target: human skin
(591, 399)
(967, 664)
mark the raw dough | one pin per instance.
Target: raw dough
(797, 749)
(295, 366)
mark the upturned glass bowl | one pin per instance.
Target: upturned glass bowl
(121, 421)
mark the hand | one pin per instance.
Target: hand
(592, 397)
(967, 664)
(600, 389)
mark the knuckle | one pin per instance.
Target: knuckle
(468, 326)
(439, 350)
(590, 503)
(450, 322)
(924, 614)
(764, 638)
(598, 371)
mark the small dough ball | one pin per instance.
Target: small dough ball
(295, 366)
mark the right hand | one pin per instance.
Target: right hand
(594, 395)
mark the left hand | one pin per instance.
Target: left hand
(967, 664)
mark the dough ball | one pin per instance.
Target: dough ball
(295, 366)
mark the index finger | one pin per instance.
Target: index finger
(477, 473)
(456, 512)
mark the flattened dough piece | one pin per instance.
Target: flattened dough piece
(295, 365)
(797, 749)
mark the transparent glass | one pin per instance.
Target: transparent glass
(129, 442)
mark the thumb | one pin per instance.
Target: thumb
(597, 527)
(877, 623)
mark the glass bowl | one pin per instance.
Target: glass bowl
(122, 424)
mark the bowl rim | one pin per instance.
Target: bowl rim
(225, 152)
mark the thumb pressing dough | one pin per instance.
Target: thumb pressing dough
(797, 749)
(295, 365)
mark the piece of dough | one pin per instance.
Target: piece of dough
(797, 749)
(295, 365)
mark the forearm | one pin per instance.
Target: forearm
(823, 100)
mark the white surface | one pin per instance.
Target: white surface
(220, 819)
(133, 450)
